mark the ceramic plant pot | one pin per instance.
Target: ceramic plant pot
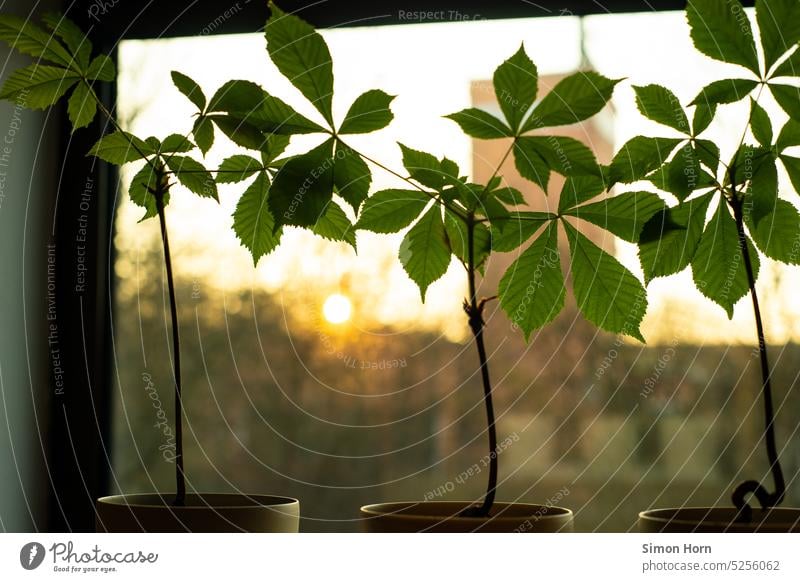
(443, 517)
(203, 512)
(717, 520)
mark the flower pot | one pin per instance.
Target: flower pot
(203, 512)
(443, 517)
(717, 520)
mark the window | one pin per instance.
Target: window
(286, 396)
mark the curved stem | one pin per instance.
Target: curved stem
(474, 310)
(180, 479)
(765, 498)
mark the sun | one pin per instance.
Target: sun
(337, 308)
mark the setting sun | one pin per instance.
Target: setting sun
(337, 308)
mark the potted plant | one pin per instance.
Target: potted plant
(451, 217)
(253, 120)
(727, 211)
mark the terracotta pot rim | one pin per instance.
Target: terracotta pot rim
(200, 501)
(396, 509)
(722, 516)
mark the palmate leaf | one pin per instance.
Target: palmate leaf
(516, 82)
(81, 106)
(777, 234)
(515, 230)
(191, 174)
(682, 175)
(561, 154)
(530, 164)
(334, 225)
(721, 30)
(369, 112)
(203, 132)
(424, 252)
(38, 86)
(702, 118)
(120, 147)
(573, 99)
(717, 266)
(724, 91)
(790, 67)
(662, 106)
(351, 176)
(238, 168)
(102, 69)
(77, 42)
(480, 124)
(623, 215)
(788, 97)
(607, 293)
(29, 39)
(789, 135)
(190, 89)
(303, 187)
(577, 190)
(423, 167)
(302, 56)
(779, 25)
(792, 166)
(391, 210)
(760, 124)
(532, 290)
(143, 184)
(669, 239)
(252, 221)
(640, 156)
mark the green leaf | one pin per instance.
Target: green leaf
(303, 187)
(681, 175)
(424, 252)
(515, 84)
(203, 132)
(237, 96)
(703, 116)
(121, 147)
(788, 97)
(639, 156)
(760, 124)
(423, 167)
(565, 155)
(763, 191)
(510, 196)
(77, 42)
(669, 239)
(530, 164)
(624, 215)
(369, 112)
(458, 239)
(351, 176)
(176, 143)
(792, 166)
(252, 221)
(276, 117)
(779, 24)
(724, 91)
(29, 39)
(194, 176)
(240, 132)
(607, 293)
(720, 29)
(274, 146)
(334, 225)
(578, 189)
(391, 210)
(717, 265)
(37, 86)
(302, 56)
(789, 135)
(237, 168)
(81, 106)
(190, 89)
(662, 106)
(516, 229)
(532, 289)
(790, 67)
(102, 69)
(477, 123)
(778, 234)
(573, 99)
(707, 152)
(143, 184)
